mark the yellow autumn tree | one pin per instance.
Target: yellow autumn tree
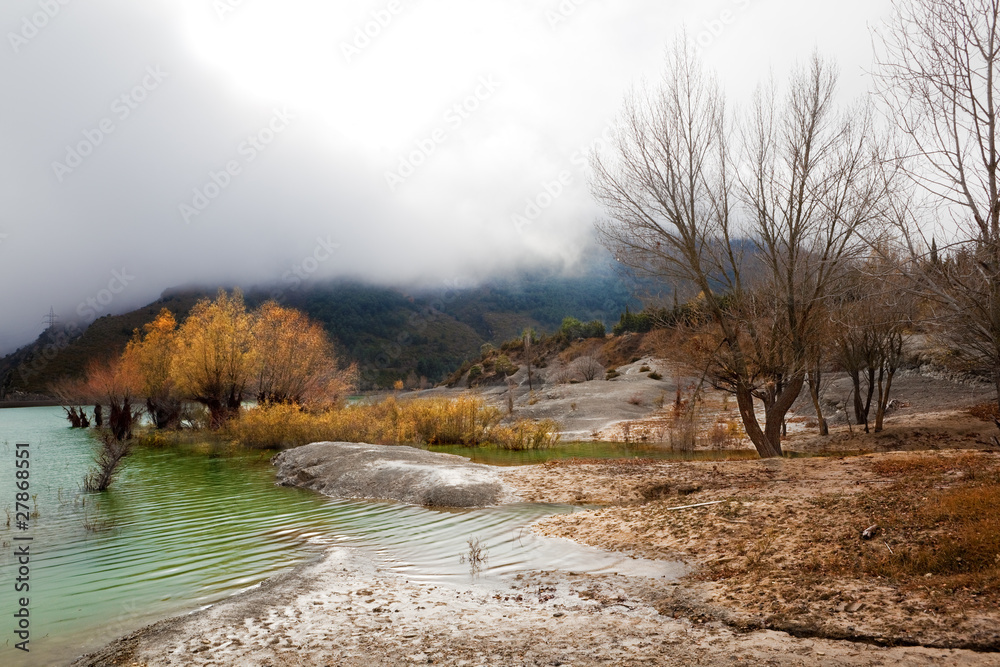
(295, 362)
(215, 356)
(151, 351)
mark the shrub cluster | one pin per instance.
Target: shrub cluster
(467, 420)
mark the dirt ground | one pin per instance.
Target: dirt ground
(780, 546)
(780, 573)
(345, 610)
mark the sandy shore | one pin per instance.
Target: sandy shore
(780, 546)
(753, 596)
(346, 610)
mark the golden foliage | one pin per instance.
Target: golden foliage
(151, 352)
(215, 354)
(526, 434)
(295, 361)
(466, 420)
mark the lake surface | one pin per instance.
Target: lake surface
(184, 527)
(591, 450)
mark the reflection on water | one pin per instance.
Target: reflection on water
(183, 528)
(591, 450)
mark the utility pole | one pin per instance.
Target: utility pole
(50, 319)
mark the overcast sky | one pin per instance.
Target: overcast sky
(150, 144)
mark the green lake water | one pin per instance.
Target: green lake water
(183, 527)
(589, 450)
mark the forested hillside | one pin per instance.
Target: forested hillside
(393, 334)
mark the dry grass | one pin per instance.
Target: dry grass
(785, 549)
(725, 434)
(940, 524)
(525, 434)
(466, 420)
(987, 412)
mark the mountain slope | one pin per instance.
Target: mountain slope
(392, 334)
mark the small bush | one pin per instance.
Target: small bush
(724, 435)
(526, 434)
(655, 376)
(572, 329)
(644, 369)
(467, 420)
(504, 366)
(588, 368)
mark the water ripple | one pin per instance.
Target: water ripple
(181, 529)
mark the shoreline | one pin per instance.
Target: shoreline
(42, 403)
(347, 607)
(344, 609)
(781, 549)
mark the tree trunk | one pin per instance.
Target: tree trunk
(883, 403)
(768, 440)
(120, 420)
(165, 413)
(861, 409)
(871, 392)
(996, 380)
(744, 400)
(774, 414)
(815, 378)
(221, 411)
(73, 417)
(216, 412)
(858, 407)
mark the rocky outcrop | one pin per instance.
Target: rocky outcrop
(404, 474)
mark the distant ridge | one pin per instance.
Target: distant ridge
(393, 333)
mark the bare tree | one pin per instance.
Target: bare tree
(762, 233)
(938, 68)
(870, 319)
(108, 462)
(588, 367)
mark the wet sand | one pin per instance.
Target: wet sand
(346, 610)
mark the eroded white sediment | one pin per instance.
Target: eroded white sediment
(404, 474)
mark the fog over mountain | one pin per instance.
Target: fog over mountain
(147, 145)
